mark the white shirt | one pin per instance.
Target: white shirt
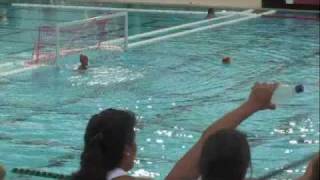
(117, 172)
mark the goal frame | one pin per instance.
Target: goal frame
(36, 58)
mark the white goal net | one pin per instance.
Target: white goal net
(108, 33)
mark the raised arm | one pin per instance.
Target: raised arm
(312, 171)
(259, 99)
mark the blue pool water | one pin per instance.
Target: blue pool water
(176, 87)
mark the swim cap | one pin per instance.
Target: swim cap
(299, 88)
(84, 59)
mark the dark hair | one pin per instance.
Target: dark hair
(105, 139)
(225, 156)
(211, 11)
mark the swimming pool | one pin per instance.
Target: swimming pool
(177, 88)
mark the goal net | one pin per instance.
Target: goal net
(107, 33)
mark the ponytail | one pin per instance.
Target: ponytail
(106, 136)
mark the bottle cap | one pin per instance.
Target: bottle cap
(299, 88)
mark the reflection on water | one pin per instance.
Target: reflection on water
(104, 76)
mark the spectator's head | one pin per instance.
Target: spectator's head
(109, 143)
(84, 60)
(225, 156)
(2, 173)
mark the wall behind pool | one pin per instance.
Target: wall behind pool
(207, 3)
(292, 4)
(282, 4)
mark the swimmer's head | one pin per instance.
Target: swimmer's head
(226, 60)
(84, 60)
(3, 15)
(211, 11)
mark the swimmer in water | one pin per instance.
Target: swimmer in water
(3, 15)
(226, 60)
(211, 13)
(4, 81)
(84, 60)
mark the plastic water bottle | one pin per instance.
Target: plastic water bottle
(285, 92)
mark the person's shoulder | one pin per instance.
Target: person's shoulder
(143, 178)
(132, 178)
(124, 178)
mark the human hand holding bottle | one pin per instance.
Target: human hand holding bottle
(261, 95)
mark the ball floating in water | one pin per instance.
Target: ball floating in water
(226, 60)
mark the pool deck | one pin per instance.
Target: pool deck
(198, 3)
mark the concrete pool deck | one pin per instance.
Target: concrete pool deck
(199, 3)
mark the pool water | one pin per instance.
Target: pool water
(176, 87)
